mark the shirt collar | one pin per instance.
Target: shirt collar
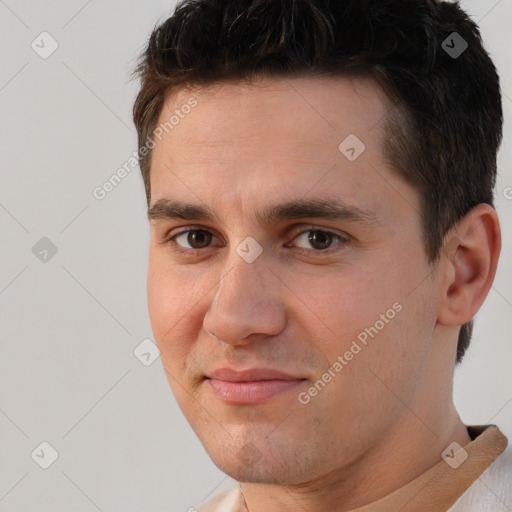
(441, 486)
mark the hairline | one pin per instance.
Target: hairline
(390, 124)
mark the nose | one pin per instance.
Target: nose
(247, 303)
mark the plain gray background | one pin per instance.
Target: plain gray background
(70, 321)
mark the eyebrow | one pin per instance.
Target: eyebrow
(331, 209)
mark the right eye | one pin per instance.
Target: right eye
(195, 238)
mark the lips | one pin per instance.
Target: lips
(251, 386)
(254, 374)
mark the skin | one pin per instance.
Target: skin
(388, 415)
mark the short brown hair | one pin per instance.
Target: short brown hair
(444, 136)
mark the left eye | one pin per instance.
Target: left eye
(318, 239)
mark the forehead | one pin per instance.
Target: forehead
(275, 138)
(322, 106)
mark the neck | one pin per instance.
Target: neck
(384, 469)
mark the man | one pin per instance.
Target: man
(319, 177)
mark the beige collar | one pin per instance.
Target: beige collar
(441, 486)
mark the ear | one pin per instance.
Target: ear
(468, 265)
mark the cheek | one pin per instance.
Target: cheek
(169, 320)
(178, 299)
(172, 290)
(162, 304)
(397, 314)
(348, 301)
(172, 303)
(371, 305)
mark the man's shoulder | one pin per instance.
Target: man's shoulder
(492, 490)
(227, 501)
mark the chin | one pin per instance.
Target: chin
(249, 464)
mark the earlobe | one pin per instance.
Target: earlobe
(469, 259)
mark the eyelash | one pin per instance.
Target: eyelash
(178, 248)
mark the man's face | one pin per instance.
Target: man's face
(291, 293)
